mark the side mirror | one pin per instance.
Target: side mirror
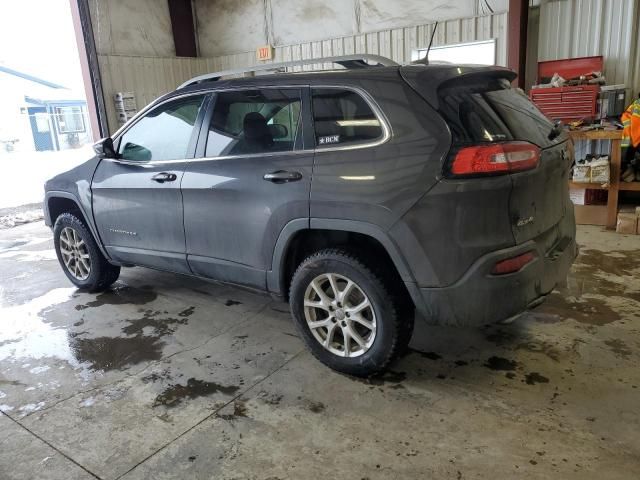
(104, 148)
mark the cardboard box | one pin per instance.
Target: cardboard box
(627, 223)
(591, 214)
(600, 170)
(582, 173)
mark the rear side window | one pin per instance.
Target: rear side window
(254, 121)
(343, 117)
(164, 133)
(489, 110)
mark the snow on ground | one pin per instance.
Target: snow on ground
(24, 173)
(21, 216)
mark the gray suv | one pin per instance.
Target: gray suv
(360, 195)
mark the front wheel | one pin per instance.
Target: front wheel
(346, 314)
(80, 257)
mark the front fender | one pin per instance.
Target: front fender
(87, 214)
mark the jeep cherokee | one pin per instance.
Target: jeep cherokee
(360, 195)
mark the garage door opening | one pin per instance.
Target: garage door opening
(479, 53)
(44, 122)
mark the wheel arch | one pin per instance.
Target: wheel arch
(300, 238)
(57, 203)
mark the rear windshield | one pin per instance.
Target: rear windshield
(489, 110)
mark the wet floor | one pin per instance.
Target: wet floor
(170, 377)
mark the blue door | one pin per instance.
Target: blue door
(40, 128)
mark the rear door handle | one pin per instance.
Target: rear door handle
(164, 177)
(282, 176)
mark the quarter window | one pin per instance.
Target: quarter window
(254, 121)
(164, 133)
(343, 117)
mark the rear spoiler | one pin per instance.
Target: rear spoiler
(427, 80)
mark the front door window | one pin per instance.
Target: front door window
(164, 133)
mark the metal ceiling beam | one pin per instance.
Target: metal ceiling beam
(182, 26)
(518, 19)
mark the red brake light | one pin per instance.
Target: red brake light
(512, 265)
(495, 158)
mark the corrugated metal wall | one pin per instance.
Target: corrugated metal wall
(396, 43)
(150, 77)
(147, 77)
(581, 28)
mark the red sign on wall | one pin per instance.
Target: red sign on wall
(264, 53)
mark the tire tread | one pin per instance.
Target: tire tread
(401, 329)
(104, 274)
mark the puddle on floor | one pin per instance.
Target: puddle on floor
(174, 394)
(25, 334)
(593, 275)
(156, 322)
(121, 295)
(616, 262)
(502, 364)
(108, 353)
(534, 377)
(14, 245)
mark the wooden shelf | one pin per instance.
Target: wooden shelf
(629, 187)
(615, 163)
(595, 134)
(592, 186)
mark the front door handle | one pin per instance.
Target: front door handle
(282, 176)
(164, 177)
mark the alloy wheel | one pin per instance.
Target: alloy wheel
(75, 254)
(339, 315)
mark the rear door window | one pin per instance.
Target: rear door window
(249, 122)
(343, 117)
(489, 110)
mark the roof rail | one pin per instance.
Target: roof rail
(347, 61)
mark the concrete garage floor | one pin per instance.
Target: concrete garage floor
(171, 377)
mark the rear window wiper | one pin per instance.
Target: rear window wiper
(556, 130)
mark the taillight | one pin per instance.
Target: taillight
(495, 158)
(512, 265)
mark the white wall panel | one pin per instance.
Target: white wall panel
(147, 77)
(150, 77)
(381, 14)
(293, 20)
(227, 26)
(580, 28)
(396, 43)
(132, 27)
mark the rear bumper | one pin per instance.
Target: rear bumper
(480, 298)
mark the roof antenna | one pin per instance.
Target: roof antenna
(425, 60)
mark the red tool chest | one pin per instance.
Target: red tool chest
(570, 102)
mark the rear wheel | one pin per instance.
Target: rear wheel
(80, 257)
(346, 314)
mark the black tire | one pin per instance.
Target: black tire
(101, 273)
(392, 333)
